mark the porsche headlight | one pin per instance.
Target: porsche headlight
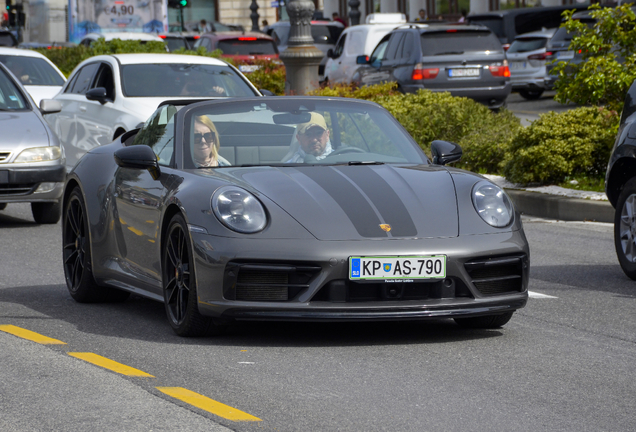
(239, 210)
(39, 154)
(492, 204)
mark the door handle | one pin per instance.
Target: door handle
(82, 108)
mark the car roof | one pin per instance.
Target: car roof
(517, 11)
(237, 34)
(21, 52)
(148, 58)
(124, 36)
(545, 33)
(286, 23)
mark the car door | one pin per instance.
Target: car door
(139, 201)
(333, 68)
(373, 73)
(72, 133)
(392, 57)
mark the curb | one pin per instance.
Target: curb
(560, 207)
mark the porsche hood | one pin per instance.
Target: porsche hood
(362, 202)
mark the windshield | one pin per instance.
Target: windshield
(493, 23)
(295, 131)
(322, 34)
(10, 96)
(527, 44)
(32, 70)
(247, 46)
(458, 42)
(170, 80)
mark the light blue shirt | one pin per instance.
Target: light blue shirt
(299, 156)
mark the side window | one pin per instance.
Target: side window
(408, 46)
(339, 48)
(206, 43)
(84, 79)
(70, 84)
(355, 43)
(378, 53)
(105, 79)
(158, 133)
(359, 130)
(394, 43)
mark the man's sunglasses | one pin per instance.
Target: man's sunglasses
(209, 137)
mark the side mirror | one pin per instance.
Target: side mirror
(362, 60)
(138, 157)
(266, 92)
(50, 106)
(445, 152)
(97, 94)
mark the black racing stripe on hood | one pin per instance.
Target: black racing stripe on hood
(352, 202)
(384, 198)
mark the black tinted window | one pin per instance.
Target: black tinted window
(6, 39)
(394, 44)
(174, 43)
(527, 44)
(247, 47)
(84, 79)
(458, 42)
(32, 70)
(324, 34)
(495, 24)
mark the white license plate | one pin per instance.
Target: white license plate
(517, 65)
(468, 72)
(394, 268)
(248, 68)
(564, 55)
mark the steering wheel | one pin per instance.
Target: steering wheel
(344, 150)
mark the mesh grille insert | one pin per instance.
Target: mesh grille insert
(496, 276)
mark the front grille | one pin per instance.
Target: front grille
(493, 276)
(17, 189)
(4, 156)
(266, 282)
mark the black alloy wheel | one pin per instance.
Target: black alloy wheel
(625, 228)
(46, 212)
(77, 256)
(179, 283)
(485, 322)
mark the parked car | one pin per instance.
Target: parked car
(32, 166)
(240, 46)
(110, 94)
(354, 41)
(508, 23)
(324, 33)
(463, 60)
(90, 38)
(620, 186)
(7, 39)
(46, 45)
(177, 40)
(527, 62)
(366, 229)
(41, 78)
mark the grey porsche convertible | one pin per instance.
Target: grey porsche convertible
(290, 209)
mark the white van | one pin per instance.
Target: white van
(353, 42)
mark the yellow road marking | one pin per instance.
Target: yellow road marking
(207, 404)
(29, 335)
(109, 364)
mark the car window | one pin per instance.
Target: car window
(378, 53)
(458, 42)
(408, 45)
(158, 133)
(495, 24)
(325, 34)
(174, 43)
(339, 48)
(10, 96)
(206, 43)
(281, 35)
(394, 45)
(84, 78)
(169, 80)
(247, 46)
(562, 35)
(32, 70)
(288, 131)
(527, 44)
(355, 44)
(106, 80)
(7, 39)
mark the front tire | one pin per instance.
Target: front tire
(77, 256)
(179, 283)
(46, 212)
(485, 322)
(625, 229)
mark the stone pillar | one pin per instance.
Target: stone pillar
(301, 58)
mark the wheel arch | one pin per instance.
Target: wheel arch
(622, 171)
(172, 210)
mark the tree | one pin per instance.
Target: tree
(609, 56)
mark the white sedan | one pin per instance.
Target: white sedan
(39, 76)
(109, 95)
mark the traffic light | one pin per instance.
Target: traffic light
(9, 5)
(177, 4)
(183, 3)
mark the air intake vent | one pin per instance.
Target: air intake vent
(262, 286)
(16, 189)
(496, 276)
(265, 282)
(4, 156)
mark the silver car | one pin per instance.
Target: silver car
(32, 165)
(527, 61)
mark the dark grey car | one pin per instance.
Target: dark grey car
(366, 228)
(32, 164)
(463, 60)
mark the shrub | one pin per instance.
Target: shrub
(270, 76)
(484, 135)
(558, 145)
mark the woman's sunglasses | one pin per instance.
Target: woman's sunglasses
(209, 138)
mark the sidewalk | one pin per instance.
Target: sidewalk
(555, 202)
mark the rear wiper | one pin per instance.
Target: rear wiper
(449, 52)
(365, 163)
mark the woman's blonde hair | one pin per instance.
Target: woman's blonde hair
(214, 150)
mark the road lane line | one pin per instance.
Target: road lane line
(207, 404)
(537, 295)
(109, 364)
(29, 335)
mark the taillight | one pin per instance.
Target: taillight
(500, 70)
(162, 36)
(505, 47)
(247, 38)
(543, 56)
(419, 73)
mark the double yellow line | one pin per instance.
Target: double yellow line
(182, 394)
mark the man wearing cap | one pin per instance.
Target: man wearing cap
(313, 138)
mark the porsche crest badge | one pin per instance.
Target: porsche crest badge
(385, 227)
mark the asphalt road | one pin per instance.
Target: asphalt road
(565, 362)
(529, 110)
